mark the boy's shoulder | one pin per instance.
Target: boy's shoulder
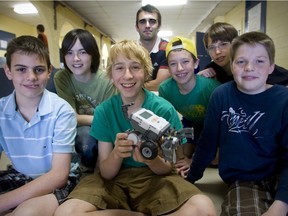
(281, 91)
(62, 73)
(278, 76)
(101, 78)
(110, 102)
(225, 88)
(7, 103)
(52, 101)
(155, 102)
(168, 82)
(207, 80)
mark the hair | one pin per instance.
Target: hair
(27, 45)
(252, 39)
(88, 42)
(220, 31)
(131, 50)
(150, 9)
(40, 28)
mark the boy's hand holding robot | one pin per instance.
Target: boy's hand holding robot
(151, 132)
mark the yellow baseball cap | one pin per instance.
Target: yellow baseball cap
(181, 43)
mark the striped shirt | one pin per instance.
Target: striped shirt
(30, 145)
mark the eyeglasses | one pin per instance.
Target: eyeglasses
(221, 46)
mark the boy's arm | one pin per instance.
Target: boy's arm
(84, 119)
(63, 88)
(206, 146)
(109, 161)
(56, 178)
(208, 72)
(158, 165)
(162, 75)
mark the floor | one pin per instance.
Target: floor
(213, 186)
(210, 184)
(3, 162)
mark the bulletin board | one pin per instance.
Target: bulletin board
(255, 16)
(5, 37)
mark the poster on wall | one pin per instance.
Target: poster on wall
(255, 16)
(5, 37)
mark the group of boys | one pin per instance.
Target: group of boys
(252, 137)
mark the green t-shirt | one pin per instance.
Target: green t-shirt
(191, 106)
(83, 97)
(109, 119)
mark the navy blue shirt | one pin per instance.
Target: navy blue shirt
(251, 132)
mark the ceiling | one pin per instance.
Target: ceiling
(116, 19)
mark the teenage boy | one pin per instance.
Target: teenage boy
(37, 132)
(127, 184)
(83, 85)
(148, 23)
(187, 92)
(248, 120)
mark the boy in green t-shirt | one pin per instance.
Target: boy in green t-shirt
(128, 184)
(187, 92)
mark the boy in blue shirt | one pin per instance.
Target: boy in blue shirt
(37, 132)
(248, 120)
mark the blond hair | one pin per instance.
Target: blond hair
(131, 50)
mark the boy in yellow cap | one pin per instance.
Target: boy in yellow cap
(188, 93)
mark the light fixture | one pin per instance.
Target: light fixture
(26, 8)
(165, 33)
(164, 2)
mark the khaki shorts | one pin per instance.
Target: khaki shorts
(136, 189)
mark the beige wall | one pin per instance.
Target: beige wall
(66, 21)
(15, 27)
(276, 26)
(277, 29)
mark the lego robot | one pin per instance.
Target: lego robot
(153, 132)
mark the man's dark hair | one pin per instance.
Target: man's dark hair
(88, 42)
(40, 28)
(150, 9)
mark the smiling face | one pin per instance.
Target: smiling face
(147, 25)
(251, 67)
(128, 76)
(29, 75)
(181, 66)
(79, 62)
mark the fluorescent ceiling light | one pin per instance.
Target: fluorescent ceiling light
(165, 33)
(164, 2)
(26, 8)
